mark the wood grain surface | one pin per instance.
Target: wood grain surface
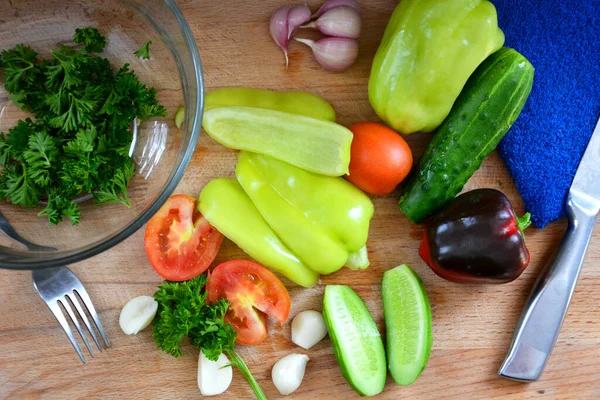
(472, 325)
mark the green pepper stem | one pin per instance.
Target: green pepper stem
(238, 362)
(524, 222)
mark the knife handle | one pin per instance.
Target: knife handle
(547, 305)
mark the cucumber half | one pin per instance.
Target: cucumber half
(408, 324)
(357, 344)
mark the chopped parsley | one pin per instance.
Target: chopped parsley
(183, 311)
(80, 138)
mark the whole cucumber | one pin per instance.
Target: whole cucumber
(485, 110)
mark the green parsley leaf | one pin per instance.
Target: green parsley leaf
(5, 150)
(115, 191)
(83, 142)
(213, 335)
(17, 187)
(63, 70)
(80, 139)
(19, 67)
(59, 206)
(17, 140)
(91, 38)
(181, 307)
(144, 51)
(183, 311)
(40, 157)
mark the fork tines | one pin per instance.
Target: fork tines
(64, 293)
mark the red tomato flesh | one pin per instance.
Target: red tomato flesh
(179, 241)
(254, 292)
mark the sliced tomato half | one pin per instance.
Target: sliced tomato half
(179, 241)
(254, 292)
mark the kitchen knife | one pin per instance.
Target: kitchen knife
(547, 305)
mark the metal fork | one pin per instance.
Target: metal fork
(60, 287)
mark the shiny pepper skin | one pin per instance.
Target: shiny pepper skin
(477, 239)
(428, 51)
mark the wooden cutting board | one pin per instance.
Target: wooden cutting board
(472, 325)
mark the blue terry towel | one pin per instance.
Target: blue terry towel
(561, 38)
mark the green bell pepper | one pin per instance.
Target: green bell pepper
(225, 205)
(323, 220)
(428, 51)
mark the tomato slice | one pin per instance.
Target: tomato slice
(179, 241)
(253, 292)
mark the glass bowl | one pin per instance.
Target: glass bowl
(160, 150)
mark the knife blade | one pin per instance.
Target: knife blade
(586, 183)
(545, 310)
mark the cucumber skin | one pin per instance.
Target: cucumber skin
(390, 333)
(339, 354)
(487, 107)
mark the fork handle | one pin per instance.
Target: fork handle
(547, 305)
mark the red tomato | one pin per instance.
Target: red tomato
(253, 292)
(379, 158)
(179, 241)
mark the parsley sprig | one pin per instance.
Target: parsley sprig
(80, 138)
(144, 51)
(183, 311)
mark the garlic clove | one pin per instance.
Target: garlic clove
(279, 30)
(288, 373)
(284, 23)
(333, 53)
(214, 377)
(298, 15)
(308, 329)
(340, 21)
(137, 314)
(328, 5)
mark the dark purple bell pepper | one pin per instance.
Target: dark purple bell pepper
(477, 239)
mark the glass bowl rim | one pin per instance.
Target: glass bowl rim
(142, 218)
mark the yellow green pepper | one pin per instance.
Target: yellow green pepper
(225, 205)
(294, 102)
(322, 220)
(428, 51)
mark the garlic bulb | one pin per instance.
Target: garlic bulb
(288, 373)
(308, 329)
(137, 314)
(214, 377)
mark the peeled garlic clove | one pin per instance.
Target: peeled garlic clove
(137, 314)
(214, 377)
(288, 373)
(333, 53)
(308, 329)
